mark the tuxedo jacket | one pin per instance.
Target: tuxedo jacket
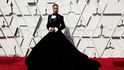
(58, 21)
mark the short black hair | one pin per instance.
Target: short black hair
(55, 5)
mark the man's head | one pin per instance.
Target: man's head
(55, 8)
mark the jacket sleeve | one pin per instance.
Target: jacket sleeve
(62, 23)
(48, 23)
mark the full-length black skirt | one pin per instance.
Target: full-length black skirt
(55, 52)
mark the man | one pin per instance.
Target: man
(55, 21)
(55, 52)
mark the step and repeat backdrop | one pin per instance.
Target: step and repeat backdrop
(95, 27)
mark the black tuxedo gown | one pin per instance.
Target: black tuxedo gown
(55, 52)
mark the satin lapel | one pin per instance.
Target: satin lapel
(50, 19)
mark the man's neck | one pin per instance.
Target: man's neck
(55, 13)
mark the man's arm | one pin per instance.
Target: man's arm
(48, 23)
(62, 24)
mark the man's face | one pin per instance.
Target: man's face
(55, 9)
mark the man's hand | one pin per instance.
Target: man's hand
(53, 29)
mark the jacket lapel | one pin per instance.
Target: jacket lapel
(54, 19)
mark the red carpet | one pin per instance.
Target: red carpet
(12, 63)
(111, 63)
(17, 63)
